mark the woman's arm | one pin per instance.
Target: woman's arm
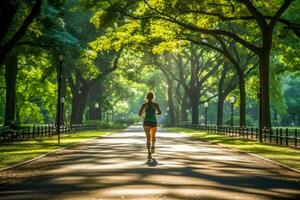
(141, 110)
(158, 109)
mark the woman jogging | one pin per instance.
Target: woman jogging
(150, 109)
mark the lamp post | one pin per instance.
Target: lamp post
(62, 100)
(187, 115)
(259, 118)
(96, 111)
(205, 106)
(232, 99)
(167, 113)
(59, 98)
(87, 112)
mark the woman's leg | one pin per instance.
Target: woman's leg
(153, 138)
(147, 132)
(153, 135)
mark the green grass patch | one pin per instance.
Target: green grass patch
(24, 150)
(284, 155)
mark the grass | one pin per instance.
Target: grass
(24, 150)
(285, 155)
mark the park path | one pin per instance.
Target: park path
(113, 167)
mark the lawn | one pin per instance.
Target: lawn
(24, 150)
(285, 155)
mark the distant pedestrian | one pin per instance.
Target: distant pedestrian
(149, 110)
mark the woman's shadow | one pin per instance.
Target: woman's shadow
(151, 162)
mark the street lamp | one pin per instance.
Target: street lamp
(59, 98)
(205, 106)
(260, 118)
(187, 115)
(166, 114)
(96, 114)
(232, 101)
(62, 102)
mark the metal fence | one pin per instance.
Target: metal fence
(9, 135)
(279, 136)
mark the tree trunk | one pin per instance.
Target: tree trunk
(177, 114)
(184, 107)
(106, 117)
(195, 109)
(242, 91)
(240, 74)
(178, 102)
(194, 89)
(8, 10)
(221, 97)
(264, 62)
(93, 98)
(100, 115)
(220, 109)
(18, 118)
(11, 68)
(94, 113)
(171, 103)
(78, 105)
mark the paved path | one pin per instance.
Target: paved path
(113, 167)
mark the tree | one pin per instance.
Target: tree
(30, 39)
(8, 11)
(166, 68)
(181, 13)
(11, 67)
(81, 86)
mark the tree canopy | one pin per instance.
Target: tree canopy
(115, 51)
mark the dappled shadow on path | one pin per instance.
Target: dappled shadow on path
(115, 167)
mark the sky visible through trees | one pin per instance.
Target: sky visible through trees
(115, 51)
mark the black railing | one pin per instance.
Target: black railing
(9, 135)
(279, 136)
